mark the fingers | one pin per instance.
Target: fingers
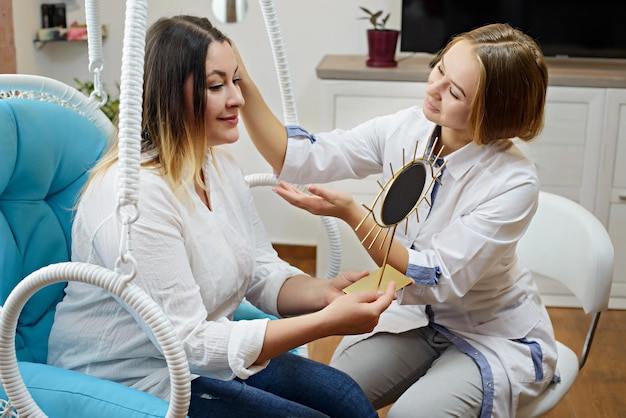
(320, 191)
(383, 299)
(353, 276)
(386, 298)
(289, 193)
(311, 203)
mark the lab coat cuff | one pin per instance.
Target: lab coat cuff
(295, 131)
(425, 276)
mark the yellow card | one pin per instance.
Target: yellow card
(370, 282)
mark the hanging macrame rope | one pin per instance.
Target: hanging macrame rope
(94, 44)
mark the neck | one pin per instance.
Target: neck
(452, 140)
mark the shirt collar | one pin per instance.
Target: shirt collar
(462, 160)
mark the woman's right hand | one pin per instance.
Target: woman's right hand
(353, 313)
(358, 312)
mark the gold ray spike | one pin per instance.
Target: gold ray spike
(368, 235)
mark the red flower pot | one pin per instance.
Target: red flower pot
(382, 47)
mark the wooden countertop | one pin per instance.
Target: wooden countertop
(573, 72)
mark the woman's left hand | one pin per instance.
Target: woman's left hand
(343, 280)
(321, 200)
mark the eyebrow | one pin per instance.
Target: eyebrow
(221, 73)
(455, 84)
(218, 72)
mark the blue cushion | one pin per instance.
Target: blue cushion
(64, 393)
(247, 311)
(45, 151)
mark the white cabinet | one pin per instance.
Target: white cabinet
(613, 178)
(580, 154)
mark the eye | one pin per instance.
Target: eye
(236, 80)
(216, 87)
(453, 94)
(440, 69)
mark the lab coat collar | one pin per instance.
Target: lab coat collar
(462, 160)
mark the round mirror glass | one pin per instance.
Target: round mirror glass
(229, 11)
(404, 193)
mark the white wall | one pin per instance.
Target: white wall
(310, 28)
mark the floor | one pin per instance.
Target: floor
(600, 387)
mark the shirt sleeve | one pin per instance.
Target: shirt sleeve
(270, 270)
(338, 154)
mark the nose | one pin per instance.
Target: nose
(235, 97)
(434, 87)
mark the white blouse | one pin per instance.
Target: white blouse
(197, 264)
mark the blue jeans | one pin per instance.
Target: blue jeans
(291, 386)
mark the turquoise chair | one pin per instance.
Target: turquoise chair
(46, 149)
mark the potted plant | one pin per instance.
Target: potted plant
(381, 42)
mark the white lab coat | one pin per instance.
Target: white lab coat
(462, 254)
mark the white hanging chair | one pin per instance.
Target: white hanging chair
(35, 269)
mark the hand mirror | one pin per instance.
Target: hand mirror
(398, 198)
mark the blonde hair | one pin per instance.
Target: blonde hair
(176, 48)
(511, 94)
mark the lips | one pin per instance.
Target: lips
(233, 120)
(429, 105)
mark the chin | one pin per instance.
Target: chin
(223, 138)
(231, 139)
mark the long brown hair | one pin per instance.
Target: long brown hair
(176, 48)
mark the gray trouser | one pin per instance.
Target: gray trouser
(420, 371)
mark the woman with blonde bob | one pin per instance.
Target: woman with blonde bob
(200, 248)
(469, 337)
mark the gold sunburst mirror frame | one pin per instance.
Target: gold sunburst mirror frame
(398, 199)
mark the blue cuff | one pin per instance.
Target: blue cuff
(294, 130)
(425, 276)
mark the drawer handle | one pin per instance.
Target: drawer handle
(622, 197)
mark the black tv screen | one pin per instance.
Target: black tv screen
(573, 28)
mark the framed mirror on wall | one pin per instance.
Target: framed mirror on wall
(230, 11)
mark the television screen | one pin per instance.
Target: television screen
(574, 28)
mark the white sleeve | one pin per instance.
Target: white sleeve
(270, 271)
(338, 154)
